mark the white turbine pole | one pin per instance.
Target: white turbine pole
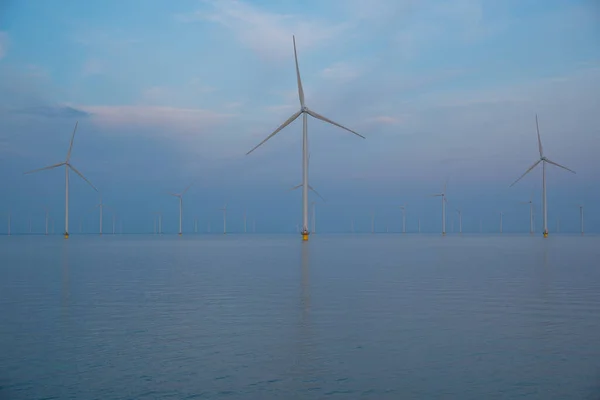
(224, 209)
(581, 218)
(501, 221)
(46, 221)
(459, 221)
(544, 205)
(180, 214)
(443, 214)
(531, 218)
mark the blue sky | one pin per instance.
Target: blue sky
(167, 93)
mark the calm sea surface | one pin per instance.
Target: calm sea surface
(268, 317)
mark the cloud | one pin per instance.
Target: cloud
(385, 119)
(183, 119)
(3, 44)
(52, 112)
(267, 33)
(341, 71)
(92, 67)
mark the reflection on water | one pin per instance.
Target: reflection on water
(259, 317)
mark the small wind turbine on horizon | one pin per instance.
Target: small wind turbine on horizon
(67, 165)
(101, 206)
(542, 160)
(403, 208)
(304, 111)
(224, 209)
(501, 215)
(180, 197)
(530, 202)
(159, 218)
(459, 221)
(443, 196)
(581, 218)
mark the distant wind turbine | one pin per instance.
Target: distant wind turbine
(67, 165)
(443, 196)
(501, 215)
(159, 217)
(542, 160)
(372, 221)
(581, 218)
(459, 221)
(245, 230)
(180, 197)
(101, 206)
(530, 202)
(403, 208)
(304, 111)
(224, 209)
(196, 225)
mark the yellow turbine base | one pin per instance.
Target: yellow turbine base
(443, 233)
(545, 234)
(179, 233)
(305, 236)
(66, 235)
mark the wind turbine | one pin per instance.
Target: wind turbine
(443, 196)
(305, 112)
(8, 231)
(530, 202)
(224, 209)
(67, 165)
(245, 230)
(403, 208)
(581, 218)
(501, 215)
(459, 221)
(196, 225)
(101, 206)
(180, 197)
(159, 217)
(542, 160)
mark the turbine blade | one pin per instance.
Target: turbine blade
(322, 118)
(286, 123)
(300, 90)
(82, 177)
(537, 127)
(187, 188)
(526, 172)
(436, 195)
(558, 165)
(296, 187)
(41, 169)
(317, 193)
(71, 144)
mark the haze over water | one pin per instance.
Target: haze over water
(270, 317)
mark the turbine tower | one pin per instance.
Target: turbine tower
(67, 165)
(530, 202)
(224, 209)
(542, 160)
(101, 206)
(459, 221)
(305, 112)
(443, 196)
(501, 215)
(180, 197)
(403, 208)
(159, 217)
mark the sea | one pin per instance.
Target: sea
(372, 316)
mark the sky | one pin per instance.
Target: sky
(172, 93)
